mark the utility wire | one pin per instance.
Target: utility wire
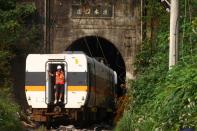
(101, 49)
(121, 75)
(88, 46)
(85, 40)
(99, 43)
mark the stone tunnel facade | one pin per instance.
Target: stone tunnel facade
(117, 21)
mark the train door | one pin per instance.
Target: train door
(51, 68)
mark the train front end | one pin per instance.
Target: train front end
(40, 86)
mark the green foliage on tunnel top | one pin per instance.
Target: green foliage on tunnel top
(165, 99)
(19, 35)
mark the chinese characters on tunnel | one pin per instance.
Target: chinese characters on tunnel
(91, 8)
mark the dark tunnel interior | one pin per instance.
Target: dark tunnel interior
(101, 48)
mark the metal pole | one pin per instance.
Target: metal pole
(49, 26)
(174, 28)
(142, 7)
(45, 26)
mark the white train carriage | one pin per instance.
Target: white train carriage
(88, 84)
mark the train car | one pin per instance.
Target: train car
(89, 89)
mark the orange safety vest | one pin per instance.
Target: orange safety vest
(59, 77)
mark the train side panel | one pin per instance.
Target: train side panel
(104, 86)
(101, 84)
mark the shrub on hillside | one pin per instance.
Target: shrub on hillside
(9, 117)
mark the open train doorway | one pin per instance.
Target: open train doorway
(51, 87)
(104, 51)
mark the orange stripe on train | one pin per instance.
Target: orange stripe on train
(34, 88)
(42, 88)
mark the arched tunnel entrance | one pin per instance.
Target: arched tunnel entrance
(99, 47)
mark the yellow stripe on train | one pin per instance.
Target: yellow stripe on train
(42, 88)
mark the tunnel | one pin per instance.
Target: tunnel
(102, 49)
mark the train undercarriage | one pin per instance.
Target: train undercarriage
(56, 115)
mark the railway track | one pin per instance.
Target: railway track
(55, 126)
(95, 127)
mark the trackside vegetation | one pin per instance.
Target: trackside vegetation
(18, 36)
(162, 99)
(9, 117)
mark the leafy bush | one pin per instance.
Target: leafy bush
(4, 68)
(175, 104)
(165, 100)
(9, 119)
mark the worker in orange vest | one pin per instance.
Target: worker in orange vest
(59, 83)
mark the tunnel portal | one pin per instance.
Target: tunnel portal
(101, 48)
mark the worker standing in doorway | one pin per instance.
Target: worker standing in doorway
(59, 83)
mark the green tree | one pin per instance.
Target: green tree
(19, 35)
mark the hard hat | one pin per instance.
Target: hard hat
(59, 67)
